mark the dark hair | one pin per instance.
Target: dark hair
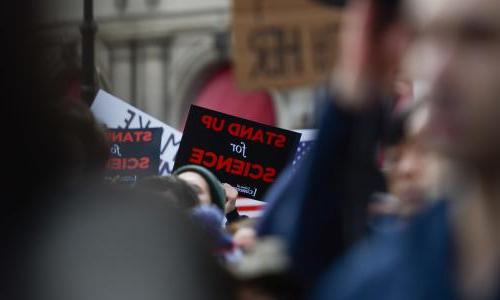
(386, 11)
(386, 4)
(178, 192)
(87, 134)
(394, 130)
(337, 3)
(396, 124)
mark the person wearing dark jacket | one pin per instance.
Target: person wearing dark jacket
(453, 251)
(320, 210)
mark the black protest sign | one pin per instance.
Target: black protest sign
(246, 154)
(134, 154)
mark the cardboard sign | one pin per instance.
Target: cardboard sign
(246, 154)
(134, 154)
(283, 44)
(118, 114)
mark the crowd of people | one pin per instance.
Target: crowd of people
(398, 199)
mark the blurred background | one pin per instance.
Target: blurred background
(162, 56)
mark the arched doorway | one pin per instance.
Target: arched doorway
(221, 93)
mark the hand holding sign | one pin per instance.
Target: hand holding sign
(231, 196)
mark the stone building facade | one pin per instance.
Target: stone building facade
(158, 54)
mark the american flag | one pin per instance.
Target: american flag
(253, 208)
(305, 144)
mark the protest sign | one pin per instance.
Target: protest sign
(134, 154)
(283, 43)
(118, 114)
(246, 154)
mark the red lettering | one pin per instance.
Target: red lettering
(234, 129)
(133, 163)
(128, 163)
(114, 136)
(132, 136)
(246, 132)
(224, 164)
(144, 163)
(259, 136)
(138, 135)
(270, 137)
(206, 120)
(220, 127)
(212, 163)
(269, 175)
(259, 173)
(128, 137)
(280, 141)
(238, 167)
(196, 156)
(114, 164)
(228, 164)
(148, 136)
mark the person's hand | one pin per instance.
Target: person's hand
(352, 72)
(231, 196)
(369, 60)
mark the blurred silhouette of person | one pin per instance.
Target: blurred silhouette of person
(172, 188)
(211, 220)
(82, 147)
(416, 174)
(111, 244)
(63, 236)
(453, 251)
(321, 210)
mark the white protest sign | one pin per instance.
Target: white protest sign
(117, 114)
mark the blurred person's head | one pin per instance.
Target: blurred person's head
(81, 145)
(87, 244)
(177, 191)
(181, 194)
(372, 42)
(414, 171)
(211, 221)
(208, 188)
(456, 49)
(49, 141)
(114, 244)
